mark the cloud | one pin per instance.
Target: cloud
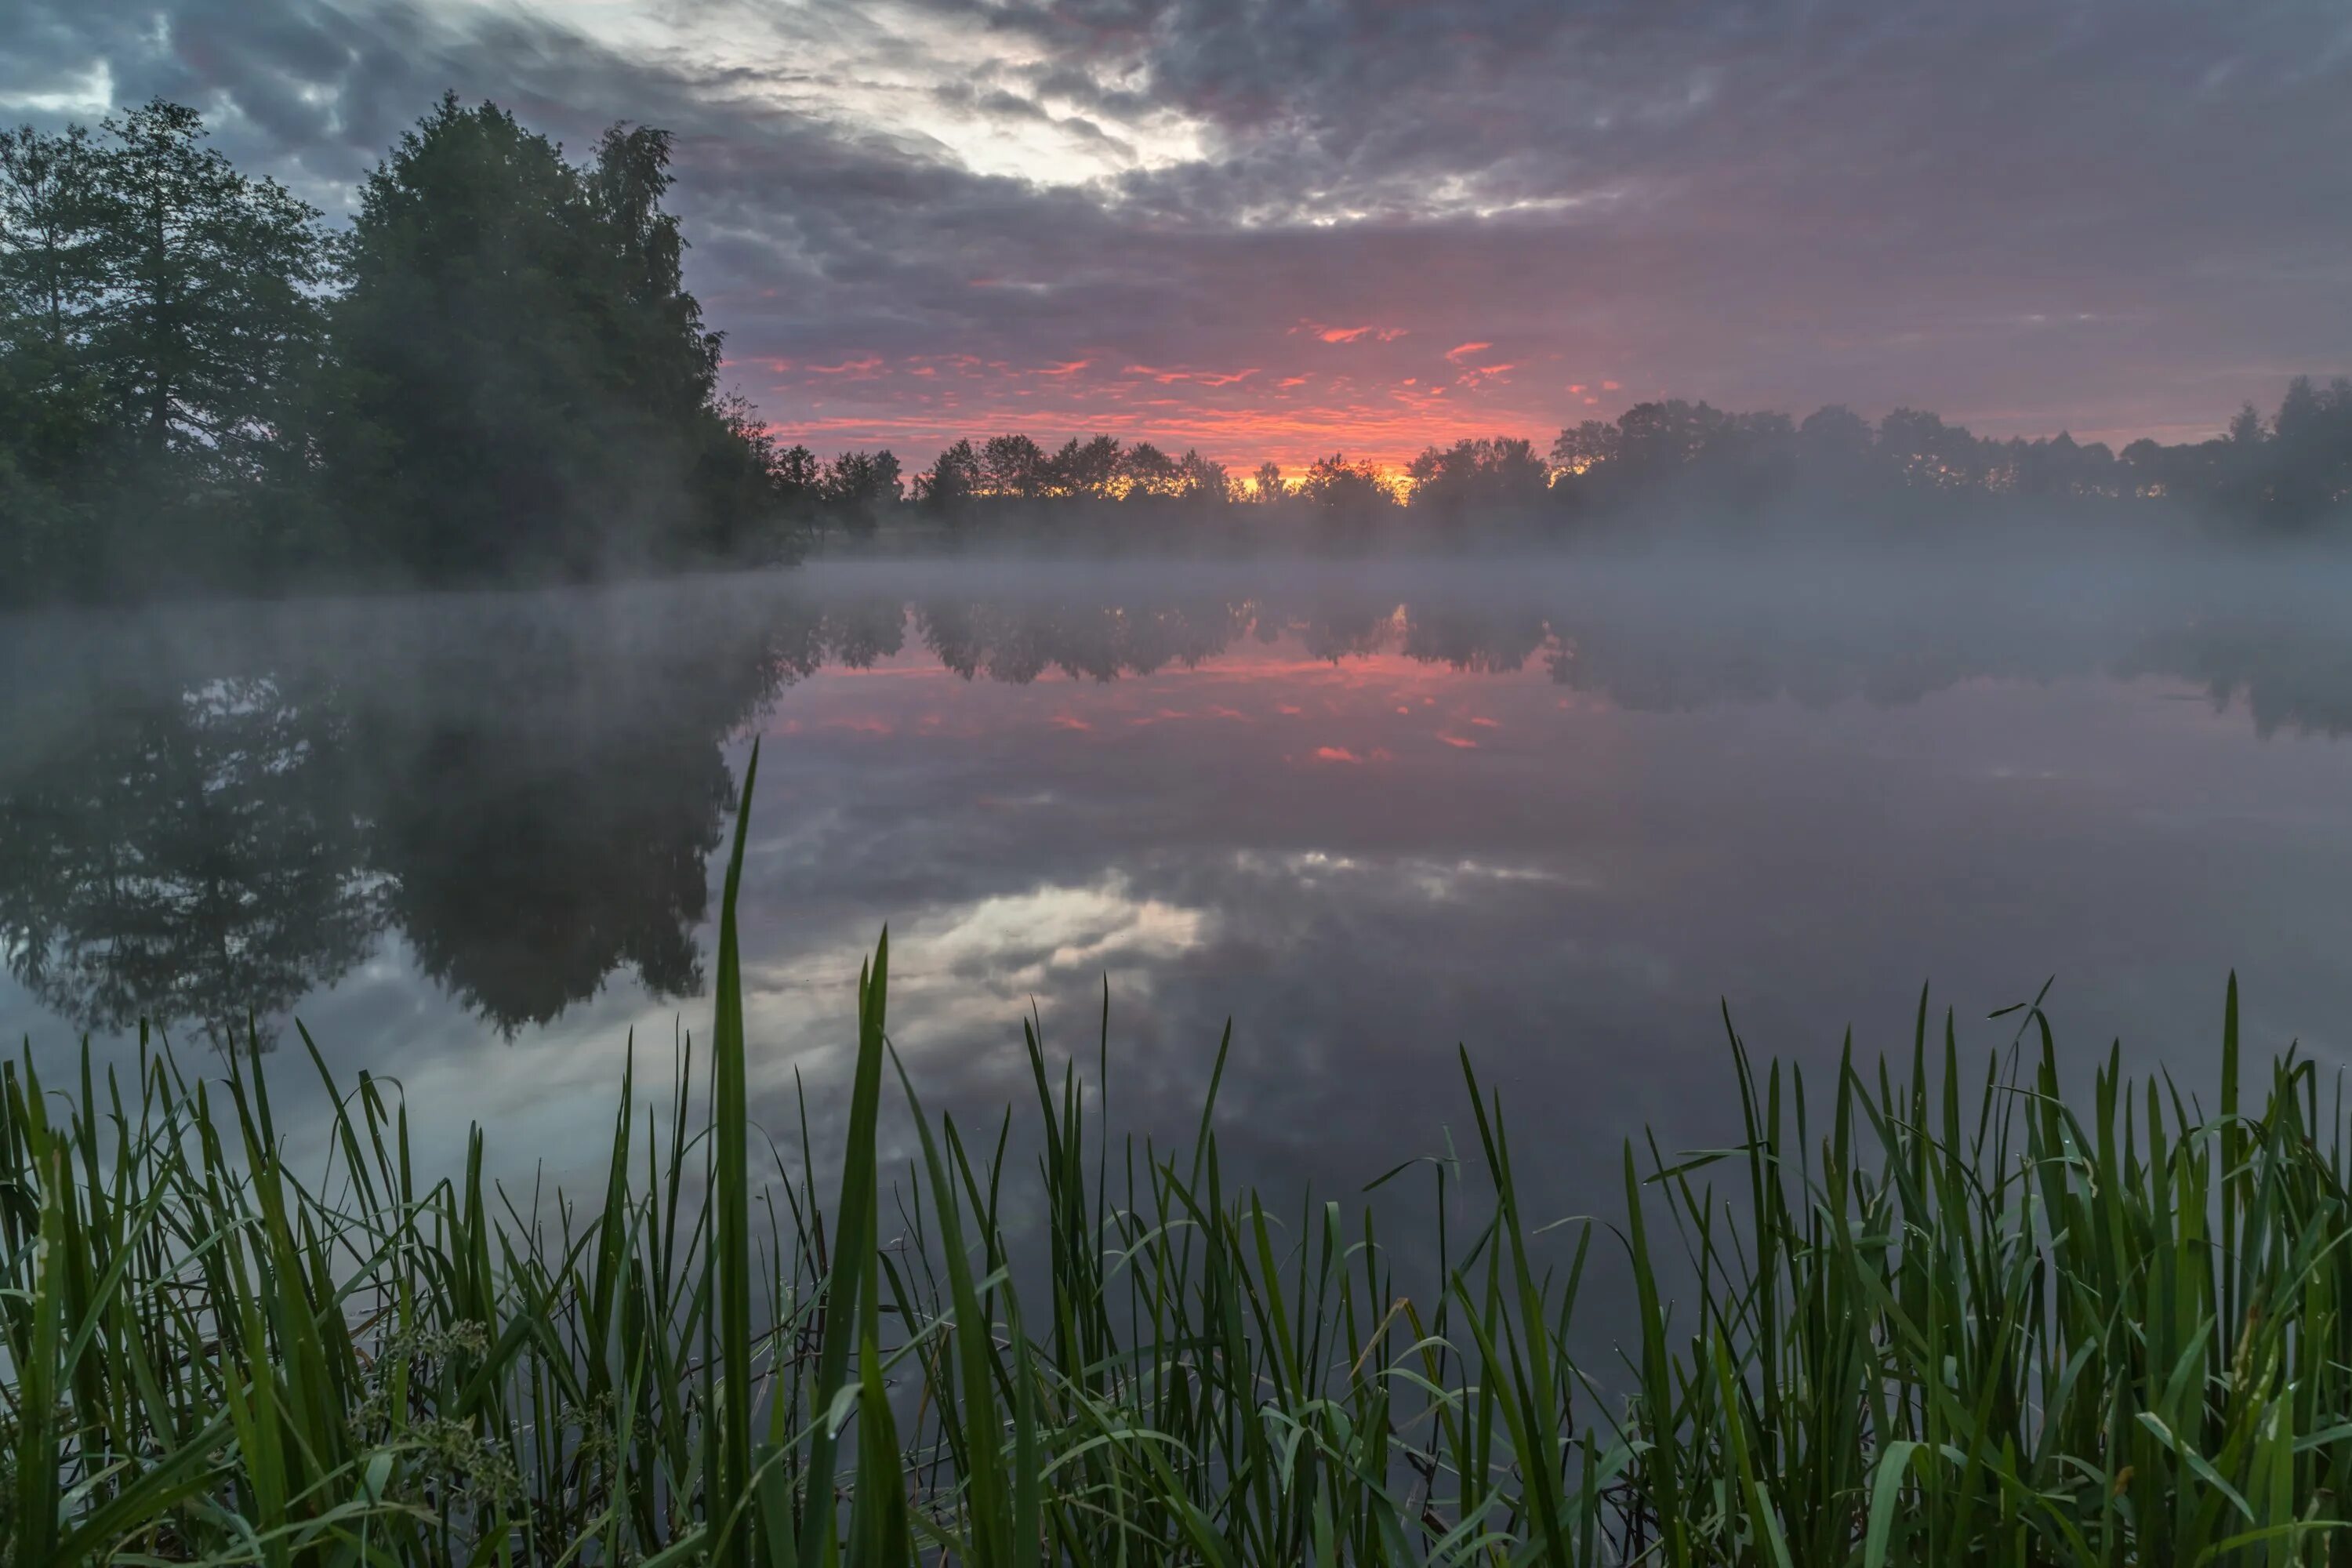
(1350, 334)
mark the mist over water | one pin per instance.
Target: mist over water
(1551, 810)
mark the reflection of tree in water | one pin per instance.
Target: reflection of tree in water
(1017, 640)
(188, 855)
(1657, 666)
(2288, 678)
(1337, 628)
(1476, 638)
(1655, 656)
(861, 632)
(523, 875)
(529, 798)
(552, 797)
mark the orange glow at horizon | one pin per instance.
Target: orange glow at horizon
(1370, 392)
(1388, 435)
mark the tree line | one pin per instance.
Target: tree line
(2290, 472)
(493, 369)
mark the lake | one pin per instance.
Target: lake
(1558, 815)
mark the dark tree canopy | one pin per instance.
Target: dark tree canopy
(526, 380)
(158, 325)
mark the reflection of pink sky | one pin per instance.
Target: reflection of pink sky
(1257, 704)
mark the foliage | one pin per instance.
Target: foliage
(2291, 473)
(158, 308)
(525, 382)
(496, 369)
(1477, 478)
(1946, 1318)
(1337, 486)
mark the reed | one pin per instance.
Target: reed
(1930, 1312)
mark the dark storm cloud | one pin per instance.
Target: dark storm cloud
(2114, 215)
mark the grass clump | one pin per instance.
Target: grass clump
(1936, 1317)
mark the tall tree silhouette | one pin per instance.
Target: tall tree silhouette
(528, 384)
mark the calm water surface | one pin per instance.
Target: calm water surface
(1367, 811)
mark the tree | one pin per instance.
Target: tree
(1266, 484)
(1013, 466)
(1145, 470)
(527, 386)
(954, 478)
(209, 301)
(1477, 478)
(860, 485)
(53, 418)
(800, 471)
(1199, 481)
(2307, 464)
(1084, 468)
(1585, 448)
(1833, 449)
(1924, 453)
(1352, 490)
(162, 324)
(52, 267)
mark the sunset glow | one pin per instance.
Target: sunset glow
(1393, 395)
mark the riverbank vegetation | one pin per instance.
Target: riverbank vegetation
(1934, 1309)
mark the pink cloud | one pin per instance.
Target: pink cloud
(1201, 377)
(1350, 334)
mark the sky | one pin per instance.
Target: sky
(1280, 228)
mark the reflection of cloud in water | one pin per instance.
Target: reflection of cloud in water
(1002, 948)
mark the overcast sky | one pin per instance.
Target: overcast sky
(1279, 227)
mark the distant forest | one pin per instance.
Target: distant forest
(495, 372)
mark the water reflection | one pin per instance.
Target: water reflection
(205, 816)
(188, 852)
(205, 819)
